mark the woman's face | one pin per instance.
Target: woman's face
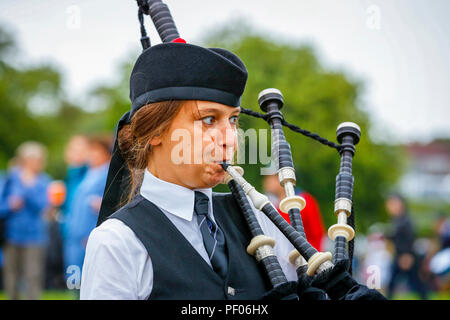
(271, 184)
(96, 155)
(34, 163)
(201, 136)
(77, 151)
(395, 206)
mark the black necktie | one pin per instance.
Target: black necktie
(213, 237)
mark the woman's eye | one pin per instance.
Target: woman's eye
(208, 120)
(234, 119)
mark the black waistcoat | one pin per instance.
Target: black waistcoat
(179, 272)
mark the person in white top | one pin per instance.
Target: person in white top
(130, 274)
(181, 126)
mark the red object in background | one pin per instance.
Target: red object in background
(312, 221)
(56, 193)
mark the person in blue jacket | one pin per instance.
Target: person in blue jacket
(75, 157)
(24, 202)
(86, 202)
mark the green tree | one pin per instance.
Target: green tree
(17, 88)
(22, 90)
(115, 97)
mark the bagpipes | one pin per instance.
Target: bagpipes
(321, 275)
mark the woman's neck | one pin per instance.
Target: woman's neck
(165, 175)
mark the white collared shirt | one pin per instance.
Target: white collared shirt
(117, 265)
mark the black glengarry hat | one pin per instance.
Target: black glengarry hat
(189, 72)
(174, 71)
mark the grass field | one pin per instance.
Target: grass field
(52, 295)
(433, 296)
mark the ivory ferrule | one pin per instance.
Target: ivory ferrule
(341, 230)
(343, 209)
(297, 259)
(292, 202)
(319, 262)
(259, 241)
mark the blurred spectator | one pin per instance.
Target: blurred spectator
(406, 262)
(443, 231)
(377, 259)
(54, 267)
(440, 262)
(87, 200)
(311, 216)
(3, 208)
(75, 157)
(23, 204)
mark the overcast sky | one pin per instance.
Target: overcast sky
(400, 49)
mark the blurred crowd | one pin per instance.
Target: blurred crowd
(397, 262)
(45, 224)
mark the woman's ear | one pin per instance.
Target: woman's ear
(155, 141)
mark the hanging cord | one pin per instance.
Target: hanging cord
(294, 128)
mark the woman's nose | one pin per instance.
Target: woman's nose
(224, 138)
(226, 135)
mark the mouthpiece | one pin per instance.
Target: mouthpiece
(225, 165)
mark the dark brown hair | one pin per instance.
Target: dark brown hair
(134, 139)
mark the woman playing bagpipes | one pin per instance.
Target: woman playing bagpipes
(162, 233)
(154, 247)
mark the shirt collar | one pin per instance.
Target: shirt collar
(171, 197)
